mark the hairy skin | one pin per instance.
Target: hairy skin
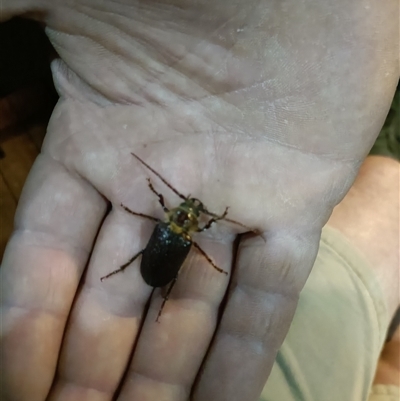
(268, 107)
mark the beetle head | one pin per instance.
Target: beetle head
(197, 206)
(193, 206)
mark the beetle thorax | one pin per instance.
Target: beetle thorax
(183, 219)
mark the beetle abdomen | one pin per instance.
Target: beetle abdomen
(164, 255)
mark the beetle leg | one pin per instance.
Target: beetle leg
(208, 258)
(123, 267)
(166, 297)
(140, 214)
(213, 220)
(160, 197)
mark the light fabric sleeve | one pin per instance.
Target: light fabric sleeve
(332, 348)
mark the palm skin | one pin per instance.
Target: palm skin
(266, 107)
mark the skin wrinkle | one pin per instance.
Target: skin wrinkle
(100, 377)
(101, 383)
(257, 345)
(180, 388)
(30, 355)
(132, 372)
(77, 250)
(123, 99)
(73, 171)
(37, 304)
(134, 305)
(49, 151)
(144, 43)
(186, 302)
(138, 7)
(88, 29)
(125, 56)
(146, 370)
(146, 70)
(29, 309)
(258, 329)
(68, 260)
(276, 273)
(262, 293)
(66, 81)
(322, 156)
(74, 175)
(298, 148)
(64, 381)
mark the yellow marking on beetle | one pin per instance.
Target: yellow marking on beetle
(175, 228)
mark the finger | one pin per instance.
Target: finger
(55, 226)
(13, 8)
(106, 316)
(169, 353)
(260, 307)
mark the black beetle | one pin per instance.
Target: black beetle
(171, 239)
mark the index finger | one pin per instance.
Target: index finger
(56, 224)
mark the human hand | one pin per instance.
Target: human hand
(266, 108)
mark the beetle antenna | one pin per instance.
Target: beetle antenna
(253, 230)
(160, 177)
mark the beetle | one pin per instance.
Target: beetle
(171, 239)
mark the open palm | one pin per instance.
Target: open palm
(231, 104)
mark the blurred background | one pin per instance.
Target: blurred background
(27, 98)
